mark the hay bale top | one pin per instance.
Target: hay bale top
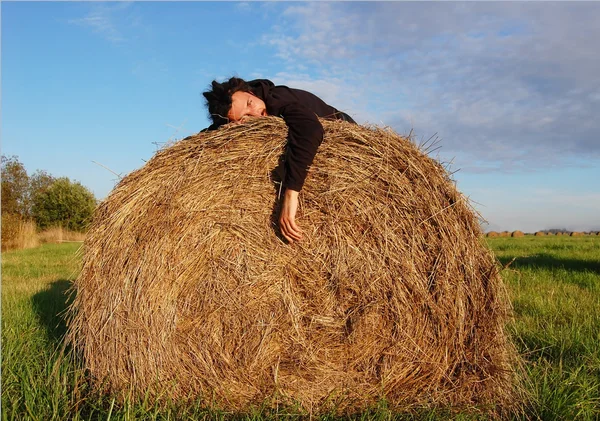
(187, 289)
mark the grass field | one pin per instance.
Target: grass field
(554, 283)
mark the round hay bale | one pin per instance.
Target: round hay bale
(492, 234)
(540, 234)
(187, 290)
(577, 234)
(504, 234)
(517, 234)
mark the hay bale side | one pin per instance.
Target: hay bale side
(577, 234)
(517, 234)
(186, 289)
(540, 234)
(492, 234)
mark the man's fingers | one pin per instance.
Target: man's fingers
(287, 237)
(287, 222)
(293, 229)
(291, 234)
(290, 230)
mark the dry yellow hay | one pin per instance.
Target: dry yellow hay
(492, 234)
(59, 235)
(18, 233)
(504, 234)
(517, 234)
(577, 234)
(187, 289)
(540, 234)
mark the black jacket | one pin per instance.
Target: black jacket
(300, 110)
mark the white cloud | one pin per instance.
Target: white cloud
(506, 85)
(102, 19)
(330, 89)
(242, 6)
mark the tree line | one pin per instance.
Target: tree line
(43, 198)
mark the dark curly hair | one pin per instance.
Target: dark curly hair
(218, 100)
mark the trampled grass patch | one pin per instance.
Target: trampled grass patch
(554, 283)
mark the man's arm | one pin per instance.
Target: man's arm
(305, 134)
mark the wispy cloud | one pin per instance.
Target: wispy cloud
(506, 85)
(242, 6)
(103, 19)
(330, 89)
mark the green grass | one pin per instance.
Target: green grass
(554, 284)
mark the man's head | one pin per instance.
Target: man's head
(231, 101)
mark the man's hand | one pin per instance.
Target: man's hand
(287, 218)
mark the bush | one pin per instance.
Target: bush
(18, 233)
(64, 203)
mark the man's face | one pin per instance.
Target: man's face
(244, 104)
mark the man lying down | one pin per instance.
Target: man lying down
(235, 100)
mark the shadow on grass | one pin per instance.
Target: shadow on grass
(49, 306)
(547, 261)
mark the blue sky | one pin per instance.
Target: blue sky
(511, 89)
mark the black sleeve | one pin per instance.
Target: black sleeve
(210, 128)
(305, 134)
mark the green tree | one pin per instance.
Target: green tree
(39, 182)
(15, 187)
(64, 203)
